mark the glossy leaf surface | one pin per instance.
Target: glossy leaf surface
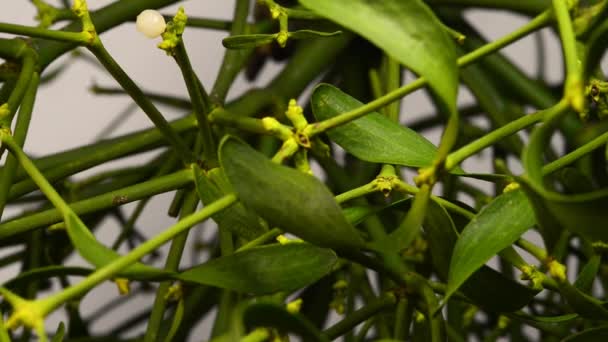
(373, 137)
(264, 270)
(495, 228)
(485, 286)
(294, 201)
(408, 31)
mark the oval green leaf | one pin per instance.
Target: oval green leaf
(373, 137)
(408, 31)
(493, 229)
(286, 198)
(266, 269)
(485, 287)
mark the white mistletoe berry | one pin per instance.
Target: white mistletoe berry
(151, 23)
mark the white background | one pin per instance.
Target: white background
(68, 115)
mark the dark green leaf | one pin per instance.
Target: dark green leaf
(495, 228)
(213, 185)
(408, 31)
(486, 287)
(99, 255)
(263, 270)
(247, 41)
(307, 34)
(286, 198)
(374, 137)
(272, 315)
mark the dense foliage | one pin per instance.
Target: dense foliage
(393, 259)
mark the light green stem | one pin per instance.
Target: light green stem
(575, 155)
(37, 32)
(489, 139)
(49, 304)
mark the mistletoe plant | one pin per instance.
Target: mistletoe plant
(396, 259)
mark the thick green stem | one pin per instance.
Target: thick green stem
(573, 88)
(491, 138)
(575, 155)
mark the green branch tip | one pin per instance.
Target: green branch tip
(173, 33)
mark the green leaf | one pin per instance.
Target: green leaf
(493, 229)
(408, 31)
(286, 198)
(486, 287)
(99, 255)
(584, 281)
(308, 34)
(212, 186)
(373, 137)
(593, 334)
(247, 41)
(266, 269)
(59, 333)
(275, 316)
